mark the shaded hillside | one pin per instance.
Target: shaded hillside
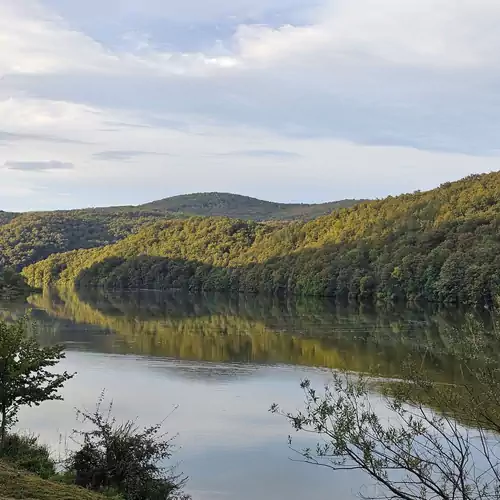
(13, 285)
(243, 207)
(442, 245)
(31, 237)
(6, 217)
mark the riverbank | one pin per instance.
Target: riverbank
(18, 484)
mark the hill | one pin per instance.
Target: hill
(243, 207)
(442, 245)
(16, 484)
(30, 237)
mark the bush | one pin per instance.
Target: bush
(25, 452)
(124, 459)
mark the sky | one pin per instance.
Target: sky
(120, 102)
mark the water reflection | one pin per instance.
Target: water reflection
(230, 446)
(253, 330)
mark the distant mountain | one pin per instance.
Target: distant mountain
(243, 207)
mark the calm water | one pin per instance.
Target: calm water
(214, 365)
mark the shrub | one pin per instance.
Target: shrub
(25, 452)
(125, 459)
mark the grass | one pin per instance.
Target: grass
(18, 485)
(26, 453)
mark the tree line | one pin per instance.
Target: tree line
(440, 246)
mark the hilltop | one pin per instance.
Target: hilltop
(441, 245)
(243, 207)
(27, 238)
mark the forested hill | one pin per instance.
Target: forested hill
(442, 245)
(27, 238)
(243, 207)
(30, 237)
(6, 217)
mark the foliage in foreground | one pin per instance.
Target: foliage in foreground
(25, 373)
(16, 484)
(421, 440)
(126, 459)
(26, 453)
(440, 246)
(113, 458)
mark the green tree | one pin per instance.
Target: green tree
(25, 375)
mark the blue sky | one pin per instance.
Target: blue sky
(122, 102)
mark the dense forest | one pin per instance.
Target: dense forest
(12, 284)
(244, 207)
(6, 217)
(30, 237)
(33, 236)
(442, 246)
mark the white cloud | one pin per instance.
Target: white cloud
(440, 31)
(436, 32)
(36, 41)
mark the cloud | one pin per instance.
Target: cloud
(124, 155)
(265, 153)
(25, 23)
(351, 90)
(377, 72)
(38, 166)
(415, 33)
(6, 137)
